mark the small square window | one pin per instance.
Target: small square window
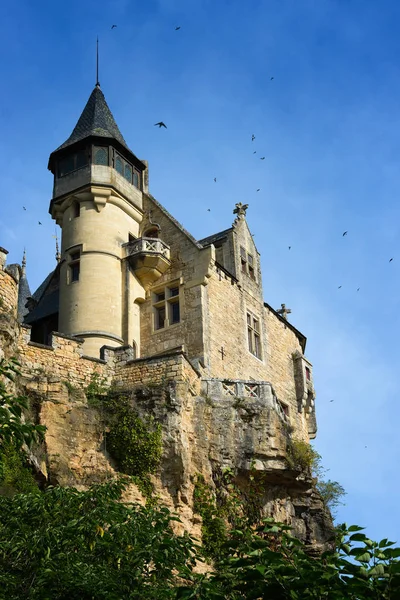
(166, 307)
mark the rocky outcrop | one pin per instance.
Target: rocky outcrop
(201, 435)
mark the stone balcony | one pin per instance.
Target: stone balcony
(149, 258)
(236, 390)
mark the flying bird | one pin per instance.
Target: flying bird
(391, 260)
(289, 247)
(215, 179)
(39, 222)
(253, 137)
(358, 289)
(345, 233)
(24, 207)
(160, 124)
(339, 287)
(255, 152)
(208, 209)
(271, 78)
(258, 189)
(113, 26)
(330, 400)
(262, 158)
(177, 28)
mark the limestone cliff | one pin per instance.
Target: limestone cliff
(201, 435)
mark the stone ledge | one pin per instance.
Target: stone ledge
(93, 359)
(42, 346)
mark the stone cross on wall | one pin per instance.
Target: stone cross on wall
(240, 209)
(283, 311)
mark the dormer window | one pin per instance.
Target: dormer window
(73, 162)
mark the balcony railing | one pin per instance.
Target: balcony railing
(146, 245)
(236, 389)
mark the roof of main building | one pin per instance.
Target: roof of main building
(211, 239)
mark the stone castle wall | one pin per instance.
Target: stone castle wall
(8, 293)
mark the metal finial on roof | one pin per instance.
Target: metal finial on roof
(97, 63)
(58, 255)
(23, 264)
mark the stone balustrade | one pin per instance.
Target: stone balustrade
(146, 245)
(238, 389)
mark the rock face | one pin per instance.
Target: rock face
(201, 435)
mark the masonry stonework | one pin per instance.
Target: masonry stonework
(177, 325)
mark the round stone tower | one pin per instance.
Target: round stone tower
(97, 202)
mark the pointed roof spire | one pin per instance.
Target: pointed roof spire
(23, 290)
(96, 120)
(97, 63)
(23, 264)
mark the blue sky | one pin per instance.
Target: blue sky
(328, 125)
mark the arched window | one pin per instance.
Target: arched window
(128, 172)
(119, 165)
(101, 156)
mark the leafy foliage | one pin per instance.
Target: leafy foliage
(134, 442)
(13, 429)
(15, 475)
(299, 455)
(96, 389)
(63, 543)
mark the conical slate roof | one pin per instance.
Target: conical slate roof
(23, 294)
(96, 119)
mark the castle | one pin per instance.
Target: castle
(136, 299)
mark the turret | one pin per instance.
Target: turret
(97, 202)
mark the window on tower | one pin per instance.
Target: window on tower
(74, 266)
(128, 171)
(72, 162)
(166, 306)
(101, 156)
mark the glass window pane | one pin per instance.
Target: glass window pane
(128, 172)
(175, 314)
(101, 156)
(75, 255)
(81, 159)
(242, 252)
(159, 297)
(119, 165)
(173, 292)
(160, 317)
(250, 339)
(75, 271)
(257, 345)
(135, 179)
(250, 259)
(66, 165)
